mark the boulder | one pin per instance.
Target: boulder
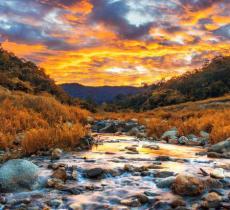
(212, 200)
(110, 128)
(131, 148)
(60, 173)
(183, 140)
(134, 132)
(94, 173)
(186, 184)
(163, 158)
(221, 147)
(56, 154)
(131, 202)
(204, 134)
(55, 183)
(154, 147)
(18, 175)
(170, 134)
(218, 173)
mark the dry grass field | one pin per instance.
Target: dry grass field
(211, 115)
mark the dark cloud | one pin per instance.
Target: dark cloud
(195, 5)
(223, 31)
(113, 14)
(19, 32)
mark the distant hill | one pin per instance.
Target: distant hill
(99, 94)
(211, 80)
(20, 75)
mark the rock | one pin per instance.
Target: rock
(60, 173)
(221, 147)
(201, 153)
(132, 149)
(212, 200)
(18, 175)
(164, 174)
(134, 132)
(131, 202)
(211, 183)
(128, 167)
(154, 147)
(193, 142)
(56, 154)
(74, 175)
(178, 202)
(55, 203)
(204, 134)
(110, 128)
(94, 173)
(142, 198)
(183, 140)
(214, 155)
(55, 183)
(186, 184)
(75, 206)
(163, 158)
(165, 183)
(218, 173)
(173, 141)
(55, 166)
(170, 134)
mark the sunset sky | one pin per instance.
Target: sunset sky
(115, 42)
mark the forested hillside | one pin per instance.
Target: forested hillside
(18, 74)
(212, 80)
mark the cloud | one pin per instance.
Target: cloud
(86, 41)
(113, 13)
(223, 32)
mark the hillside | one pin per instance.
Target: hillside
(19, 75)
(99, 94)
(212, 80)
(34, 111)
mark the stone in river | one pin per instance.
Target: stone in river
(131, 202)
(56, 154)
(60, 173)
(212, 200)
(94, 173)
(163, 158)
(186, 184)
(218, 173)
(18, 175)
(221, 147)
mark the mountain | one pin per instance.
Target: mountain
(99, 94)
(211, 80)
(20, 75)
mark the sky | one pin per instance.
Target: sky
(115, 42)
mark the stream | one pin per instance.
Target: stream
(111, 154)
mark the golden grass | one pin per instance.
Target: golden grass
(45, 138)
(44, 121)
(211, 115)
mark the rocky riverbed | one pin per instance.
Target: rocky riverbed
(122, 172)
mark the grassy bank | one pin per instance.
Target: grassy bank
(211, 115)
(35, 123)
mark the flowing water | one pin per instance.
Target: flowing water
(111, 154)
